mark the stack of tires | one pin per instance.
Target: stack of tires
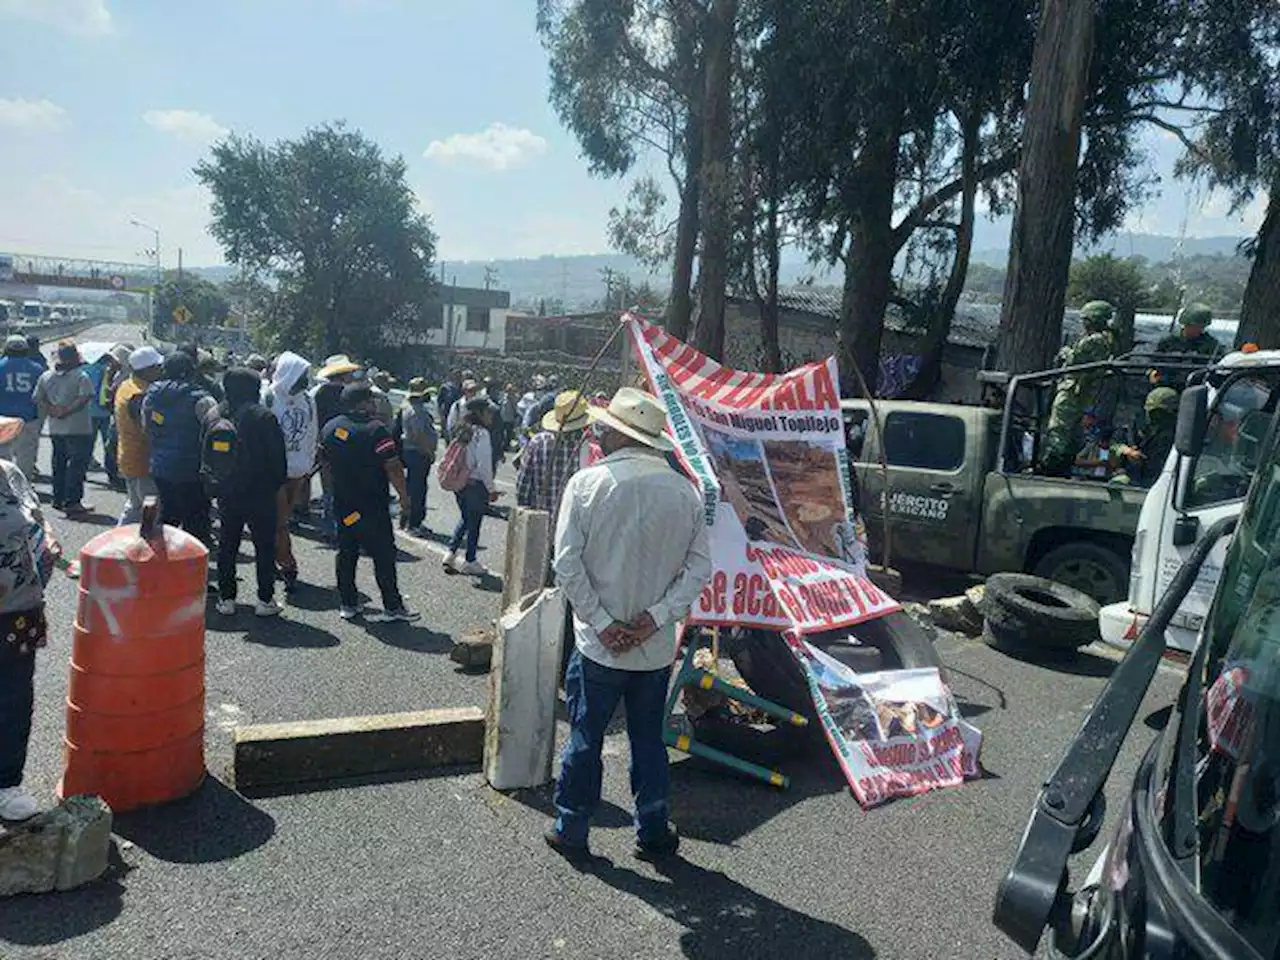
(1028, 615)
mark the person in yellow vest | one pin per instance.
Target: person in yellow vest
(133, 452)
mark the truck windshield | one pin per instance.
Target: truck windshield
(1233, 441)
(1238, 769)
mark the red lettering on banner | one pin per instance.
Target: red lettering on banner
(711, 384)
(713, 594)
(824, 391)
(744, 387)
(684, 363)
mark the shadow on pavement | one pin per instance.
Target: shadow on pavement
(281, 631)
(489, 583)
(724, 920)
(1079, 663)
(1158, 719)
(409, 637)
(213, 824)
(352, 783)
(51, 918)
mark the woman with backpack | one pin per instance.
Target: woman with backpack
(467, 471)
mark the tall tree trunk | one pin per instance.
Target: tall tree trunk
(1043, 228)
(717, 187)
(945, 310)
(1260, 313)
(868, 271)
(680, 303)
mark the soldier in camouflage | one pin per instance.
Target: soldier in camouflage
(1155, 440)
(1076, 392)
(1191, 342)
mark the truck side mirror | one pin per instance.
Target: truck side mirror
(1193, 420)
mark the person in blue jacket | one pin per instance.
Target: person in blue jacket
(175, 412)
(19, 374)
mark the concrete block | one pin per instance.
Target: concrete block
(60, 849)
(311, 751)
(957, 614)
(524, 570)
(977, 596)
(473, 650)
(886, 578)
(86, 841)
(520, 723)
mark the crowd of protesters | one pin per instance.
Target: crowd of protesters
(245, 441)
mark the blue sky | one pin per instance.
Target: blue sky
(105, 106)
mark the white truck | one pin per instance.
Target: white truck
(1205, 478)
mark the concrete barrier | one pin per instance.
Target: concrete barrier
(520, 723)
(528, 546)
(60, 849)
(314, 751)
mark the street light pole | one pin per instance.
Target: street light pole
(155, 290)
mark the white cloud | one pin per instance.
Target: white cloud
(31, 114)
(186, 125)
(500, 147)
(83, 17)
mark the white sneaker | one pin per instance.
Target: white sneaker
(16, 805)
(451, 563)
(403, 615)
(350, 613)
(268, 609)
(474, 569)
(227, 608)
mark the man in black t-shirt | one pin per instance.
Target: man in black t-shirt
(359, 456)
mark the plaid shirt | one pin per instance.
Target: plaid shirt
(544, 471)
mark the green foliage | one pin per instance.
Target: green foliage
(641, 229)
(205, 301)
(1107, 277)
(336, 225)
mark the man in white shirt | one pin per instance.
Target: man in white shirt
(631, 555)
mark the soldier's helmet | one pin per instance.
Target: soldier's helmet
(1195, 315)
(1163, 400)
(1096, 314)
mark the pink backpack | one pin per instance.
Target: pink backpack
(453, 473)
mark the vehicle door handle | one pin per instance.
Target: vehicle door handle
(944, 489)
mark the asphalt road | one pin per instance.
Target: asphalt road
(445, 867)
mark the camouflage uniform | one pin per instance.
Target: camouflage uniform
(1155, 440)
(1201, 345)
(1076, 393)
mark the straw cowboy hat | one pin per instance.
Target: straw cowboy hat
(569, 413)
(10, 427)
(636, 414)
(336, 366)
(418, 387)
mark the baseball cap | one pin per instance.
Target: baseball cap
(144, 358)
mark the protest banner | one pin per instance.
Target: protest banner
(896, 733)
(768, 454)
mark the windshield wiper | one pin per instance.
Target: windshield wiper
(1069, 811)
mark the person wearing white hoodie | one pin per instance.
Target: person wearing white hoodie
(295, 409)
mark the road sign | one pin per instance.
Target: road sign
(182, 315)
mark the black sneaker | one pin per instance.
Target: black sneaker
(660, 848)
(570, 851)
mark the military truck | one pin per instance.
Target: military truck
(966, 491)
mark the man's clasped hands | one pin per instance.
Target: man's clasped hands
(620, 637)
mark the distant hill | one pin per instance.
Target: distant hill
(578, 282)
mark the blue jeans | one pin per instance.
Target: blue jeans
(592, 692)
(473, 501)
(70, 461)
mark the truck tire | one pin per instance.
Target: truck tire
(765, 662)
(1032, 612)
(1088, 567)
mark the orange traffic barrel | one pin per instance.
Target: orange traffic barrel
(135, 701)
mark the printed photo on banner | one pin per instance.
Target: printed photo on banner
(895, 734)
(767, 452)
